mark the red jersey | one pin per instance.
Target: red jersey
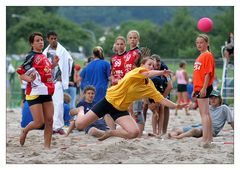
(118, 69)
(130, 59)
(41, 66)
(204, 64)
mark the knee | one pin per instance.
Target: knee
(49, 121)
(79, 125)
(196, 132)
(133, 133)
(92, 131)
(39, 124)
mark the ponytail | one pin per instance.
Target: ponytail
(98, 52)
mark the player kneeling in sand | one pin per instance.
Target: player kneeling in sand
(134, 86)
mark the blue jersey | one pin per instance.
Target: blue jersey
(87, 106)
(161, 82)
(26, 115)
(163, 66)
(66, 116)
(96, 73)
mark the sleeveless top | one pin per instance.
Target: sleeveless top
(180, 77)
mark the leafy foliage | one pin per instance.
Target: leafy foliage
(167, 31)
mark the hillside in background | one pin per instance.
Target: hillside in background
(169, 31)
(113, 16)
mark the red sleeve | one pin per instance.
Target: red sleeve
(21, 70)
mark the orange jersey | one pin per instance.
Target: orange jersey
(204, 64)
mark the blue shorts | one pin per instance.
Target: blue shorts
(100, 127)
(188, 128)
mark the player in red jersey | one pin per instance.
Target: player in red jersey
(132, 58)
(117, 61)
(37, 71)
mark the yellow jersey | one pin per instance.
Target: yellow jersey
(133, 86)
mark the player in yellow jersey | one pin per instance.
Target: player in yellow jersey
(135, 85)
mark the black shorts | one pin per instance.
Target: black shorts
(181, 88)
(230, 50)
(104, 107)
(209, 90)
(41, 99)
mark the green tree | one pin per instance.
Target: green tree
(223, 25)
(95, 28)
(71, 35)
(148, 32)
(178, 36)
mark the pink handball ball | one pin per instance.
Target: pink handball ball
(205, 24)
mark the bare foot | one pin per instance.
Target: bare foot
(206, 144)
(106, 135)
(22, 138)
(48, 148)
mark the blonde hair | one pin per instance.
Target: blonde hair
(133, 31)
(145, 59)
(206, 39)
(98, 52)
(119, 38)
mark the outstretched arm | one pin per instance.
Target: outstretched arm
(153, 73)
(172, 105)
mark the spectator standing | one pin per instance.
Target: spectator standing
(97, 73)
(61, 76)
(182, 81)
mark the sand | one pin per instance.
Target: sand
(79, 148)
